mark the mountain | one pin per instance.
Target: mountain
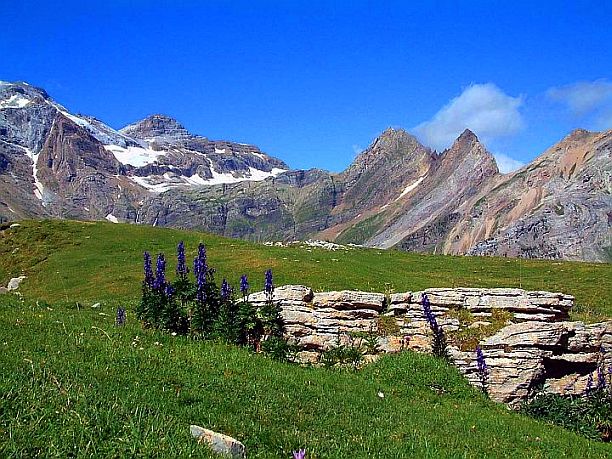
(56, 164)
(396, 194)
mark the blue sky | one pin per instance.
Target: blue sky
(314, 82)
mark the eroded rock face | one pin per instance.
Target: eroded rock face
(535, 346)
(557, 356)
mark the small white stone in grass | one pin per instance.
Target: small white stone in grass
(219, 443)
(381, 395)
(96, 305)
(173, 333)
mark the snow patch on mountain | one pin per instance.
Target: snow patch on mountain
(136, 156)
(168, 181)
(410, 187)
(15, 101)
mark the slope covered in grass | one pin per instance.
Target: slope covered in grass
(101, 262)
(74, 385)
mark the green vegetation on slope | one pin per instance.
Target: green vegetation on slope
(91, 262)
(72, 384)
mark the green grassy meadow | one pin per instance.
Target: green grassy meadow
(72, 384)
(102, 262)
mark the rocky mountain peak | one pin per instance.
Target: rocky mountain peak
(467, 137)
(157, 127)
(468, 148)
(394, 138)
(19, 94)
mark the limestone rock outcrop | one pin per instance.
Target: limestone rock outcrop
(534, 346)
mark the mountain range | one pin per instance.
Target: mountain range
(396, 194)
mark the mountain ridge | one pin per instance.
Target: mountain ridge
(397, 193)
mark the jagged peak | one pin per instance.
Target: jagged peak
(157, 125)
(23, 88)
(468, 145)
(467, 136)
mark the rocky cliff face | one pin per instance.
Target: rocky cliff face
(397, 193)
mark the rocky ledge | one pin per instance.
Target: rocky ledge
(525, 336)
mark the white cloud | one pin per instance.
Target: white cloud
(507, 164)
(483, 108)
(583, 97)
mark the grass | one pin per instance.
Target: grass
(101, 262)
(74, 385)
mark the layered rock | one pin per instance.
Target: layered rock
(535, 346)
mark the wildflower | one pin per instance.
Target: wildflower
(269, 285)
(589, 384)
(148, 271)
(429, 316)
(601, 378)
(483, 370)
(169, 291)
(181, 266)
(439, 340)
(120, 319)
(199, 264)
(244, 285)
(300, 454)
(160, 273)
(226, 290)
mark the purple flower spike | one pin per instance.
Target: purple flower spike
(226, 291)
(160, 273)
(244, 285)
(300, 454)
(199, 264)
(120, 320)
(269, 285)
(429, 316)
(589, 384)
(148, 270)
(601, 378)
(181, 266)
(483, 370)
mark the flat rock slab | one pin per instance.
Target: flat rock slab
(219, 443)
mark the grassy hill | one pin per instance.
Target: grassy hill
(102, 262)
(72, 384)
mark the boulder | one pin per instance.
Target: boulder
(218, 442)
(14, 283)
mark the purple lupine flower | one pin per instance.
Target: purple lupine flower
(483, 370)
(589, 384)
(160, 273)
(300, 454)
(120, 319)
(148, 270)
(201, 283)
(226, 290)
(169, 291)
(601, 378)
(429, 316)
(181, 266)
(200, 269)
(244, 285)
(269, 285)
